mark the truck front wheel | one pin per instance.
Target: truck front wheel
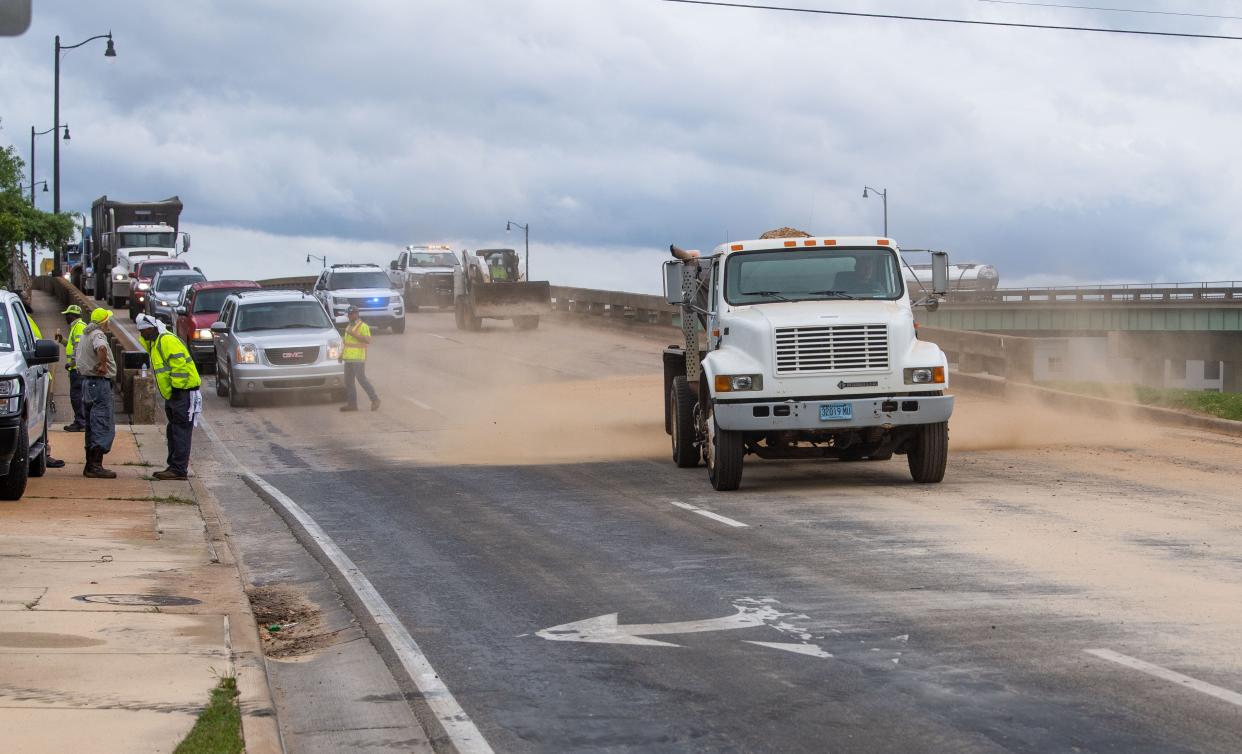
(681, 402)
(929, 454)
(724, 450)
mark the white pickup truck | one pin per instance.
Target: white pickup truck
(24, 384)
(803, 348)
(425, 276)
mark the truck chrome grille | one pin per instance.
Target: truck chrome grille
(836, 348)
(293, 355)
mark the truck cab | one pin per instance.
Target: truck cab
(425, 275)
(802, 348)
(131, 244)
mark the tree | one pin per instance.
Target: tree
(20, 222)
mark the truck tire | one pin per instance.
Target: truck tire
(725, 450)
(236, 399)
(38, 465)
(13, 484)
(398, 326)
(681, 402)
(411, 302)
(930, 453)
(222, 390)
(466, 319)
(526, 322)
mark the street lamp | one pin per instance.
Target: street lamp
(31, 186)
(883, 195)
(323, 259)
(509, 225)
(33, 134)
(110, 52)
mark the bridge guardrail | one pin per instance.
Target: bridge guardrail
(1178, 293)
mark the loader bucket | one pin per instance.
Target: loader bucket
(504, 300)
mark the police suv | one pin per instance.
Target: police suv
(365, 286)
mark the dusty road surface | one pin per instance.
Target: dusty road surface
(1074, 585)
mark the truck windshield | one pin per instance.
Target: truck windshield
(443, 259)
(211, 300)
(281, 315)
(340, 281)
(131, 240)
(6, 332)
(819, 274)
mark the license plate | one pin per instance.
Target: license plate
(835, 411)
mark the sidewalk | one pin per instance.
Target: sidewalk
(120, 605)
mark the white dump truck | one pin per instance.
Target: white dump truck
(803, 348)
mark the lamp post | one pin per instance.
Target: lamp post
(110, 52)
(323, 259)
(20, 189)
(883, 195)
(525, 228)
(33, 134)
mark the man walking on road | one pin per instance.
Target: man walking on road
(357, 340)
(95, 363)
(178, 381)
(73, 316)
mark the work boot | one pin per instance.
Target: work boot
(349, 408)
(74, 427)
(168, 475)
(55, 463)
(95, 469)
(375, 405)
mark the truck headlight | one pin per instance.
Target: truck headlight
(925, 376)
(10, 406)
(730, 383)
(9, 387)
(144, 286)
(119, 278)
(334, 350)
(247, 354)
(203, 333)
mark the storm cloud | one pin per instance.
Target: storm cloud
(616, 126)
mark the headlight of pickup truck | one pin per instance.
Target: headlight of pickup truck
(925, 376)
(247, 354)
(10, 397)
(119, 278)
(732, 383)
(143, 286)
(334, 350)
(203, 333)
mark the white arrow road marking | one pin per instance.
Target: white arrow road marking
(802, 649)
(1202, 687)
(708, 514)
(605, 629)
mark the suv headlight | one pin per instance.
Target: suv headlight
(247, 354)
(119, 278)
(144, 286)
(925, 376)
(334, 350)
(731, 383)
(202, 333)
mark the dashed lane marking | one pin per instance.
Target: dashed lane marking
(1173, 676)
(461, 730)
(709, 514)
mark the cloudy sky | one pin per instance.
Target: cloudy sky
(617, 126)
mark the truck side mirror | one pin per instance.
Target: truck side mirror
(45, 352)
(219, 327)
(392, 265)
(940, 272)
(185, 244)
(672, 282)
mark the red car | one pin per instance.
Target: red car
(140, 284)
(200, 310)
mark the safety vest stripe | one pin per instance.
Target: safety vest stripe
(161, 370)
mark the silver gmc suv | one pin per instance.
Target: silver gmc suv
(272, 341)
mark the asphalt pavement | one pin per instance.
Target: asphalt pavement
(1072, 588)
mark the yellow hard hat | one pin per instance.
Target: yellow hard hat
(99, 315)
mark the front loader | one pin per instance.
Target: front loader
(489, 285)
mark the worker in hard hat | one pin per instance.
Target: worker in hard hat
(73, 317)
(178, 381)
(94, 361)
(52, 463)
(354, 354)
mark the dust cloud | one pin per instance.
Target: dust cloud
(986, 423)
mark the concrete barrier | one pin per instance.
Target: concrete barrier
(137, 394)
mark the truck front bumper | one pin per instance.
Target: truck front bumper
(803, 415)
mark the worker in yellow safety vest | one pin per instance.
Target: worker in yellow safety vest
(52, 463)
(354, 354)
(73, 316)
(178, 381)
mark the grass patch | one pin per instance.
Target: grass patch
(136, 463)
(218, 728)
(1222, 405)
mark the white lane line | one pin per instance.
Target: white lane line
(422, 405)
(1202, 687)
(708, 514)
(461, 730)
